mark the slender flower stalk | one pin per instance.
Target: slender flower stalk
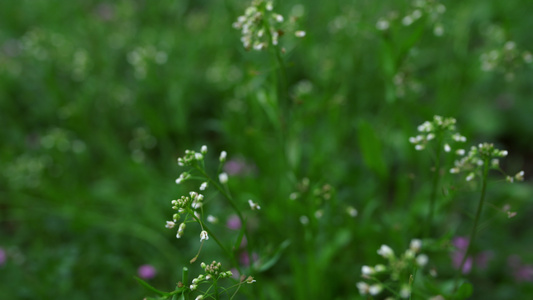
(434, 188)
(486, 168)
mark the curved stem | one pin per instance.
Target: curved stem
(486, 166)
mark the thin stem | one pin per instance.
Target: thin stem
(236, 209)
(224, 193)
(434, 188)
(216, 289)
(486, 166)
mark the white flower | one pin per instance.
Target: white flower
(470, 177)
(253, 205)
(250, 279)
(407, 20)
(375, 289)
(415, 245)
(367, 270)
(180, 230)
(299, 33)
(212, 219)
(405, 292)
(351, 211)
(363, 287)
(438, 30)
(223, 178)
(203, 186)
(198, 156)
(380, 268)
(204, 149)
(170, 224)
(385, 251)
(519, 176)
(200, 297)
(447, 148)
(382, 24)
(416, 14)
(223, 155)
(422, 260)
(203, 236)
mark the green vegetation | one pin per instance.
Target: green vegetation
(99, 99)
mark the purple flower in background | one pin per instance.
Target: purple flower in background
(245, 258)
(520, 271)
(461, 245)
(483, 258)
(235, 273)
(234, 222)
(238, 166)
(3, 256)
(146, 272)
(235, 167)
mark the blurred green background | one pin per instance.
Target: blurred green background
(98, 99)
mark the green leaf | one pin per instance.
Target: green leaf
(267, 265)
(464, 291)
(151, 288)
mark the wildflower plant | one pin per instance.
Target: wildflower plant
(189, 210)
(396, 277)
(442, 133)
(262, 27)
(477, 164)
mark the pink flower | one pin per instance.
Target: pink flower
(234, 222)
(238, 166)
(244, 258)
(520, 271)
(146, 272)
(235, 167)
(3, 256)
(461, 245)
(483, 258)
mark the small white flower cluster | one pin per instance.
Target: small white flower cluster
(432, 9)
(260, 26)
(506, 58)
(476, 158)
(186, 205)
(398, 267)
(212, 270)
(191, 157)
(439, 127)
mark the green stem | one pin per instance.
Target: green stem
(434, 188)
(215, 285)
(224, 193)
(237, 211)
(486, 166)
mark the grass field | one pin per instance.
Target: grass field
(98, 100)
